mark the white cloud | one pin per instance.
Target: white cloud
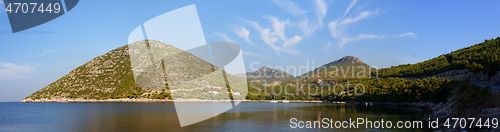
(344, 39)
(337, 33)
(307, 24)
(321, 9)
(224, 37)
(349, 39)
(286, 51)
(243, 33)
(12, 71)
(294, 40)
(309, 27)
(265, 33)
(278, 27)
(337, 27)
(382, 36)
(359, 17)
(290, 7)
(253, 54)
(348, 10)
(408, 35)
(275, 37)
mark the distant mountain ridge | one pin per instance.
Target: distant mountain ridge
(268, 73)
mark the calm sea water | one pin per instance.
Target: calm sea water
(248, 116)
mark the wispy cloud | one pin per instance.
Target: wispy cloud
(12, 71)
(350, 7)
(275, 37)
(253, 54)
(307, 23)
(359, 17)
(292, 41)
(287, 51)
(243, 33)
(273, 32)
(408, 35)
(278, 27)
(290, 7)
(321, 9)
(224, 37)
(337, 27)
(308, 26)
(343, 39)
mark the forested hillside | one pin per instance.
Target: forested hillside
(480, 58)
(347, 67)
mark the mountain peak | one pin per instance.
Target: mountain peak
(347, 60)
(349, 65)
(264, 68)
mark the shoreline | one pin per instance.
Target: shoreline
(419, 105)
(416, 106)
(145, 100)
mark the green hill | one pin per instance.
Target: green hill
(427, 81)
(343, 68)
(480, 58)
(266, 73)
(110, 76)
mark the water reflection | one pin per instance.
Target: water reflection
(162, 116)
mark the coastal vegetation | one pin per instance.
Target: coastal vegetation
(110, 77)
(480, 58)
(364, 89)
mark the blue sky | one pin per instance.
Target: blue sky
(274, 33)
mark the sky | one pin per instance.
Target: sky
(275, 33)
